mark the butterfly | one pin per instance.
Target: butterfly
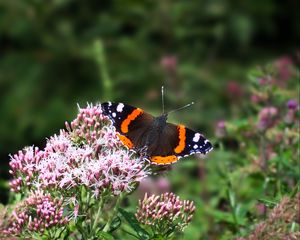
(163, 142)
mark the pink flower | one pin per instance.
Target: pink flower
(89, 154)
(292, 104)
(165, 210)
(234, 90)
(23, 164)
(293, 107)
(261, 208)
(220, 129)
(90, 126)
(100, 163)
(284, 66)
(36, 213)
(267, 118)
(264, 81)
(169, 63)
(88, 161)
(257, 98)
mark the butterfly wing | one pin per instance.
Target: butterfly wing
(130, 122)
(177, 141)
(135, 128)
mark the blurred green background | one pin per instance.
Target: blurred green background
(55, 54)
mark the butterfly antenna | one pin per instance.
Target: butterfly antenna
(162, 99)
(185, 106)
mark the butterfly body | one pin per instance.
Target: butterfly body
(161, 142)
(156, 129)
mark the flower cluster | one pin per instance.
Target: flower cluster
(274, 110)
(165, 212)
(292, 109)
(267, 117)
(264, 141)
(88, 154)
(82, 172)
(37, 213)
(93, 128)
(23, 167)
(277, 224)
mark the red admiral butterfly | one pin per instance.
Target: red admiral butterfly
(163, 142)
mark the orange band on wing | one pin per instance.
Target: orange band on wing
(135, 113)
(126, 141)
(182, 137)
(163, 160)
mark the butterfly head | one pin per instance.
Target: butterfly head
(160, 121)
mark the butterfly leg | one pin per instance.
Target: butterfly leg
(143, 151)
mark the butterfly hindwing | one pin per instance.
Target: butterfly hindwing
(162, 151)
(178, 141)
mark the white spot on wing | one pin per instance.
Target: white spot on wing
(109, 104)
(195, 146)
(114, 114)
(196, 137)
(120, 107)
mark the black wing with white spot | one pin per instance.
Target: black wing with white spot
(129, 121)
(117, 112)
(195, 143)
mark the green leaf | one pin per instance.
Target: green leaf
(115, 224)
(133, 222)
(158, 238)
(105, 236)
(221, 216)
(231, 196)
(268, 202)
(254, 74)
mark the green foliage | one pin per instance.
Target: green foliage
(134, 224)
(50, 59)
(58, 53)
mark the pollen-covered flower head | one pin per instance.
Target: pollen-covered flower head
(165, 210)
(88, 154)
(37, 213)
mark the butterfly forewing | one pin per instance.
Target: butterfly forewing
(139, 129)
(117, 112)
(130, 122)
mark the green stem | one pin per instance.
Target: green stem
(104, 76)
(233, 206)
(280, 172)
(263, 153)
(96, 220)
(118, 202)
(61, 232)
